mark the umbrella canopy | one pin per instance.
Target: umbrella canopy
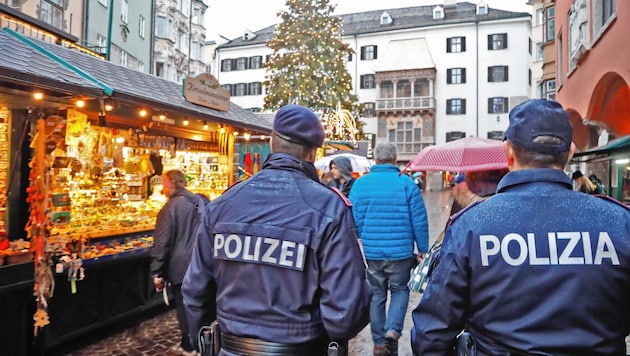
(463, 155)
(359, 163)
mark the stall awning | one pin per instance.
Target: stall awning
(608, 151)
(52, 66)
(106, 88)
(22, 65)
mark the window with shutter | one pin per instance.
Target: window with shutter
(241, 89)
(255, 62)
(367, 81)
(497, 41)
(456, 106)
(456, 75)
(497, 105)
(226, 65)
(368, 53)
(498, 74)
(254, 88)
(241, 63)
(456, 44)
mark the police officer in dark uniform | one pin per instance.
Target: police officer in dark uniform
(537, 269)
(283, 251)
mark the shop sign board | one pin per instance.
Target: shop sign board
(205, 90)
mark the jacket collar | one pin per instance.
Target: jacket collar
(288, 162)
(385, 167)
(181, 192)
(535, 175)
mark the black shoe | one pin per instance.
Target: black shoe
(391, 345)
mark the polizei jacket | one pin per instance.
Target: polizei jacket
(283, 251)
(536, 269)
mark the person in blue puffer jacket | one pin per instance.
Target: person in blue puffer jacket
(283, 250)
(391, 217)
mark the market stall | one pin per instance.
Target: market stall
(80, 167)
(610, 163)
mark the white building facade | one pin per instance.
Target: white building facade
(424, 75)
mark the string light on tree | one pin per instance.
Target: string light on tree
(307, 66)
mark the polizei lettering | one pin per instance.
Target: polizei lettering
(259, 249)
(560, 248)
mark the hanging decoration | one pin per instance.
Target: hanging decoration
(37, 197)
(340, 125)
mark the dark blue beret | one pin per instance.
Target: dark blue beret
(299, 125)
(539, 117)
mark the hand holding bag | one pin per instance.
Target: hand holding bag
(421, 273)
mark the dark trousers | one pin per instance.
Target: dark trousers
(182, 320)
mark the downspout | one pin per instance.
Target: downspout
(217, 64)
(109, 30)
(356, 64)
(86, 25)
(190, 35)
(152, 43)
(477, 75)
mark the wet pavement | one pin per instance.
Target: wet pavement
(154, 333)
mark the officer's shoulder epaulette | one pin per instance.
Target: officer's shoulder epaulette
(342, 196)
(232, 186)
(613, 200)
(454, 217)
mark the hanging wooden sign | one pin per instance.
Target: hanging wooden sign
(205, 90)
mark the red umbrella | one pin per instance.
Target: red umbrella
(463, 155)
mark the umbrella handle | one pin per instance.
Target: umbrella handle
(404, 168)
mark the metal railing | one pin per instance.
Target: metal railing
(409, 103)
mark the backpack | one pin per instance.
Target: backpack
(599, 187)
(198, 221)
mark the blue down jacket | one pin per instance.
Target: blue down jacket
(536, 269)
(390, 214)
(283, 250)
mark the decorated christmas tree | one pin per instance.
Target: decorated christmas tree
(308, 63)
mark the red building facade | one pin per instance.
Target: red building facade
(593, 67)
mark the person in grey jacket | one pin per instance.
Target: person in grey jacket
(173, 241)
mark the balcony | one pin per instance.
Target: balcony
(408, 103)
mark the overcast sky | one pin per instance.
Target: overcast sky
(230, 18)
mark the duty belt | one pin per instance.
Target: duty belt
(256, 347)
